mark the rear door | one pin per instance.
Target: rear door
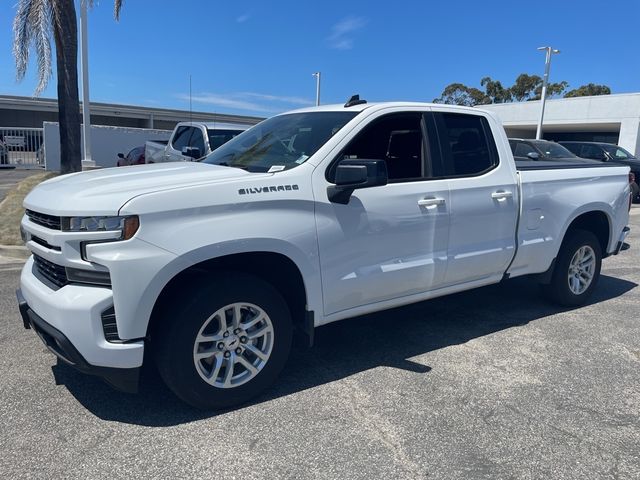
(484, 198)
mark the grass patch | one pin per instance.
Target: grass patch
(11, 209)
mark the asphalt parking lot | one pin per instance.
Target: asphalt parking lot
(492, 383)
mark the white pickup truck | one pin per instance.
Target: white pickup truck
(307, 218)
(191, 140)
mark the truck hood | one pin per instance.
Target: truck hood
(105, 191)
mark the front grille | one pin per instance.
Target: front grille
(43, 219)
(44, 243)
(56, 274)
(109, 326)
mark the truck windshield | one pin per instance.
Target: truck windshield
(281, 142)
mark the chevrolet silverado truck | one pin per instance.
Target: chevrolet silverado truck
(190, 141)
(310, 217)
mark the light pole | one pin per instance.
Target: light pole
(317, 75)
(547, 65)
(86, 114)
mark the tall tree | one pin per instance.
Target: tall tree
(591, 89)
(526, 87)
(495, 91)
(35, 23)
(459, 94)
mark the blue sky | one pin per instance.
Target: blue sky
(253, 57)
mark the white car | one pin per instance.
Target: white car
(191, 140)
(310, 217)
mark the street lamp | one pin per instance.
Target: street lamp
(547, 65)
(86, 114)
(317, 75)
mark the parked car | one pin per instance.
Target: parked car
(608, 152)
(191, 141)
(525, 149)
(309, 217)
(134, 157)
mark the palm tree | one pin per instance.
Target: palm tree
(35, 23)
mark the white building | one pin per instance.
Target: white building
(605, 118)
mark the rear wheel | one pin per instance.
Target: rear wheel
(227, 344)
(577, 269)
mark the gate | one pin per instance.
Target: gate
(22, 146)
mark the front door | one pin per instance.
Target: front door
(389, 241)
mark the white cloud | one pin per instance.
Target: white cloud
(248, 101)
(341, 38)
(243, 18)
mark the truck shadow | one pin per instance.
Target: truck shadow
(345, 348)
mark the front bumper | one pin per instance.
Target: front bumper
(125, 379)
(69, 322)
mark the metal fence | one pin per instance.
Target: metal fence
(22, 146)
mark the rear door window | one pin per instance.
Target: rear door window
(467, 145)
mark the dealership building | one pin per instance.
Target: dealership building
(604, 118)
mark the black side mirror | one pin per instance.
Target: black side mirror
(533, 155)
(193, 152)
(121, 155)
(354, 174)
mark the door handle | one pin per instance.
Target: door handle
(501, 195)
(431, 202)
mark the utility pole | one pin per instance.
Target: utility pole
(545, 80)
(317, 75)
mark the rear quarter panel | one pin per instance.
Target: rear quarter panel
(553, 199)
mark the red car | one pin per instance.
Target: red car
(134, 157)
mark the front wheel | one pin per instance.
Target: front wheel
(577, 269)
(226, 344)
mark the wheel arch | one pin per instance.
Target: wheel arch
(597, 222)
(275, 267)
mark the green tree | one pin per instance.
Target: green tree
(459, 94)
(36, 21)
(495, 91)
(526, 87)
(591, 89)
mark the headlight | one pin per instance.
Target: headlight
(127, 225)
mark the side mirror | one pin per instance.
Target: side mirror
(533, 155)
(121, 155)
(354, 174)
(193, 152)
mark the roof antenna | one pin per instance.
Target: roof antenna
(354, 100)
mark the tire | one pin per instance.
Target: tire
(566, 288)
(190, 331)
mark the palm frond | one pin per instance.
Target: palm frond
(32, 27)
(117, 5)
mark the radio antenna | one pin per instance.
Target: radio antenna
(190, 110)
